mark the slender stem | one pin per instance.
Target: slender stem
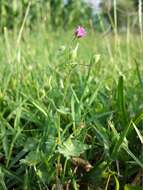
(140, 18)
(108, 180)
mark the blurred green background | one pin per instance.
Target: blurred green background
(58, 13)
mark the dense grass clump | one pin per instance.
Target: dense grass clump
(70, 111)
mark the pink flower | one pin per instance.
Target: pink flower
(80, 32)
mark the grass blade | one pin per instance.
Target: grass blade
(138, 133)
(121, 101)
(117, 187)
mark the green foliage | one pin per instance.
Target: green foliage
(52, 13)
(70, 125)
(73, 148)
(129, 187)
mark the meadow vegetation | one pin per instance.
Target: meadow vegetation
(71, 109)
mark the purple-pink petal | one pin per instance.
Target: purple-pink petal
(80, 32)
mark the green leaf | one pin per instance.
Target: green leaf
(133, 156)
(138, 119)
(73, 112)
(2, 182)
(129, 187)
(117, 187)
(139, 73)
(125, 146)
(32, 159)
(30, 144)
(120, 142)
(102, 132)
(12, 175)
(138, 133)
(72, 148)
(64, 110)
(40, 108)
(121, 101)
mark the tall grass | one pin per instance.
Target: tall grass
(52, 13)
(70, 122)
(140, 18)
